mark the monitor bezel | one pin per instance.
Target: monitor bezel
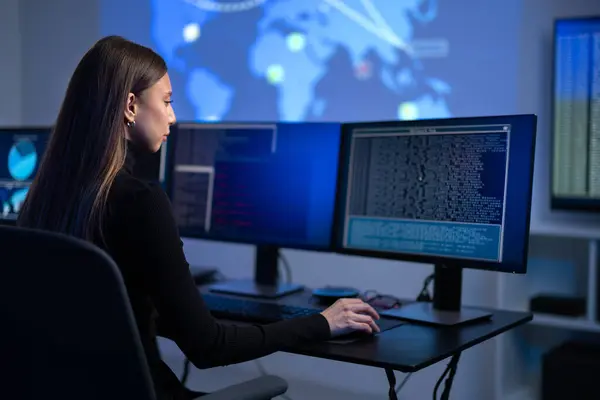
(38, 128)
(562, 203)
(15, 129)
(190, 234)
(338, 225)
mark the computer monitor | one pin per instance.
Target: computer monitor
(576, 115)
(452, 192)
(271, 185)
(22, 150)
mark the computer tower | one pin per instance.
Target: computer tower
(570, 371)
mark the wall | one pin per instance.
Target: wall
(54, 36)
(10, 63)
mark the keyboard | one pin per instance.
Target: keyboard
(246, 310)
(253, 311)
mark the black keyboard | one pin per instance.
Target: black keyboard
(246, 310)
(251, 310)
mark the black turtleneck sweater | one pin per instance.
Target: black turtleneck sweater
(142, 237)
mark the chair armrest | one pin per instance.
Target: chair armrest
(263, 388)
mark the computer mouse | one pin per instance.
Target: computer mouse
(385, 324)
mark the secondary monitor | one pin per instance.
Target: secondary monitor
(576, 115)
(22, 150)
(271, 185)
(451, 192)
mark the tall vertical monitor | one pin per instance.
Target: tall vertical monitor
(455, 193)
(576, 115)
(271, 185)
(21, 150)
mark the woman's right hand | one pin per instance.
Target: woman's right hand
(347, 315)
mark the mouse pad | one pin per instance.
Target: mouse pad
(384, 324)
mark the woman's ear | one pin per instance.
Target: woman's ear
(131, 108)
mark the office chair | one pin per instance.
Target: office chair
(67, 329)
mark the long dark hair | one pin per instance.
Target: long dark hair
(88, 146)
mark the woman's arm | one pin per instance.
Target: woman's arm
(154, 239)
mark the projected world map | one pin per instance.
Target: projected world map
(301, 60)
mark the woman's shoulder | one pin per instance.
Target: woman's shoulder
(134, 209)
(133, 195)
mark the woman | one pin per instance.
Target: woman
(117, 105)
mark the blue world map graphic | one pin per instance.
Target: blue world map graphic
(300, 60)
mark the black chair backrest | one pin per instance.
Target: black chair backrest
(66, 326)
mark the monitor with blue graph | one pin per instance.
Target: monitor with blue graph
(22, 150)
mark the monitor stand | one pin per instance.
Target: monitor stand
(266, 284)
(445, 310)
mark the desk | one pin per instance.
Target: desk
(410, 347)
(407, 348)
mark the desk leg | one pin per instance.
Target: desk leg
(391, 376)
(452, 366)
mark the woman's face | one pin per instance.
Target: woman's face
(153, 115)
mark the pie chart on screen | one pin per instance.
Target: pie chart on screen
(22, 159)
